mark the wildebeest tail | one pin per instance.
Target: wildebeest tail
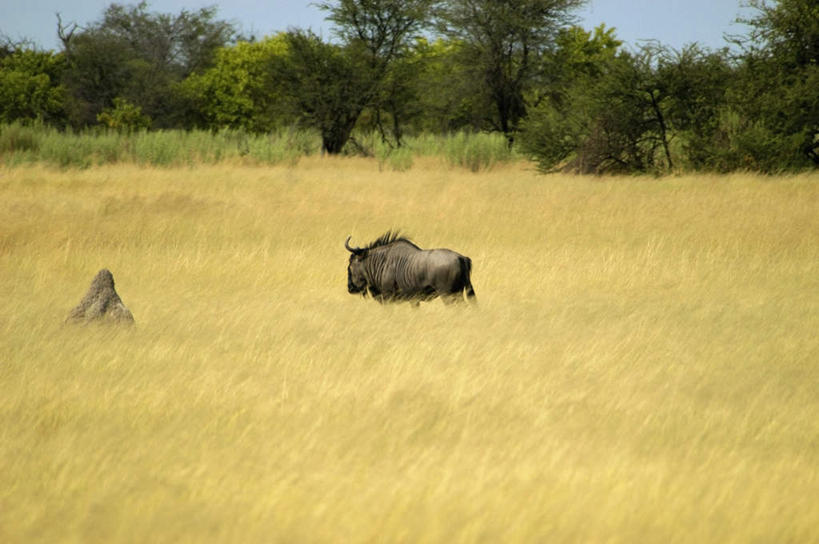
(466, 272)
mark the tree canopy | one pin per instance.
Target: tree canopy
(569, 97)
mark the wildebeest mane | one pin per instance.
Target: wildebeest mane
(388, 238)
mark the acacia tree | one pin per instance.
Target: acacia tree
(787, 30)
(694, 83)
(325, 85)
(777, 95)
(504, 41)
(380, 32)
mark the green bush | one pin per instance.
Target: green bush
(124, 116)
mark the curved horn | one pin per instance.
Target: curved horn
(354, 250)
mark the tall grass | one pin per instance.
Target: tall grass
(641, 365)
(475, 152)
(27, 145)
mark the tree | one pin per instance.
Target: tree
(381, 33)
(567, 107)
(655, 109)
(787, 31)
(325, 85)
(98, 70)
(773, 119)
(30, 88)
(627, 130)
(236, 92)
(137, 55)
(695, 81)
(504, 41)
(448, 97)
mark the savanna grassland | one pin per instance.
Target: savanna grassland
(642, 364)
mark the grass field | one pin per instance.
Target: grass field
(642, 365)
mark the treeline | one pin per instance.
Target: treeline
(569, 98)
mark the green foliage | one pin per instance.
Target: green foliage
(776, 91)
(695, 81)
(30, 87)
(660, 110)
(567, 97)
(580, 52)
(448, 96)
(184, 43)
(326, 84)
(603, 112)
(139, 56)
(624, 130)
(567, 117)
(97, 72)
(380, 33)
(786, 30)
(472, 151)
(395, 102)
(237, 92)
(502, 43)
(124, 116)
(550, 135)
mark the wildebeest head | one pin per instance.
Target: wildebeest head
(356, 280)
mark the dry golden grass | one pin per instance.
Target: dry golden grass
(642, 365)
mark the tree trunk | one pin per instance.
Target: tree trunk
(663, 130)
(335, 136)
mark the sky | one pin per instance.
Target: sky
(671, 22)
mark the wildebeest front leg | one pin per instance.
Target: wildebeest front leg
(376, 294)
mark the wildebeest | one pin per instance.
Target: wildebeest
(393, 268)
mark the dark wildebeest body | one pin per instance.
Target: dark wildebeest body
(393, 268)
